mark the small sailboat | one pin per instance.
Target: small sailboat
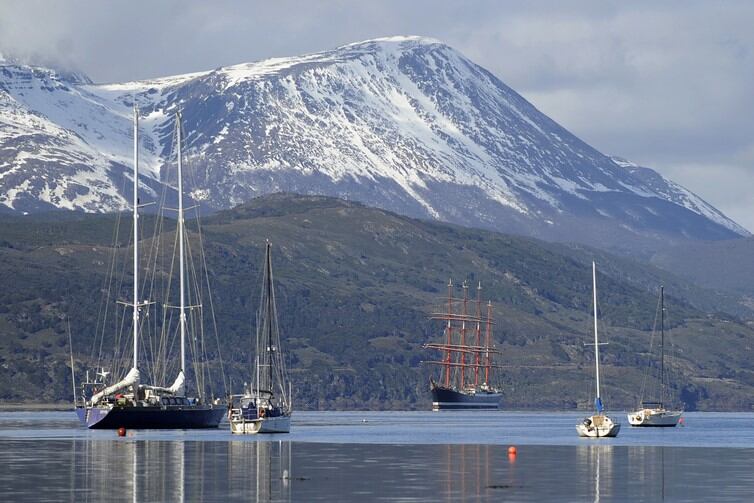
(599, 424)
(130, 402)
(654, 413)
(265, 407)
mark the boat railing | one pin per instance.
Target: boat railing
(651, 405)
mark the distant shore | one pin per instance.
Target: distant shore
(68, 406)
(21, 406)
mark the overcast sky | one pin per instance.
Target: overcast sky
(666, 84)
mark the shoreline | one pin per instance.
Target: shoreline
(35, 406)
(68, 406)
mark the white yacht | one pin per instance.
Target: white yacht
(654, 413)
(265, 407)
(599, 424)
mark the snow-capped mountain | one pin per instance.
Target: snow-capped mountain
(677, 194)
(403, 123)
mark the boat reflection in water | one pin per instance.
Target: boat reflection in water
(264, 465)
(180, 466)
(179, 471)
(468, 471)
(130, 470)
(599, 460)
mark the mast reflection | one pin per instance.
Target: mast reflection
(467, 472)
(178, 471)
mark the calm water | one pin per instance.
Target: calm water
(380, 456)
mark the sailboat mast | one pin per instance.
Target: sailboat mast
(270, 345)
(596, 340)
(450, 332)
(477, 353)
(136, 237)
(662, 344)
(463, 333)
(180, 243)
(488, 336)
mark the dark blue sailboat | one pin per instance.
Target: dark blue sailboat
(179, 413)
(129, 403)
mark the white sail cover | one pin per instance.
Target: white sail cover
(178, 387)
(131, 379)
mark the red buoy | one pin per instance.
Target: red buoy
(121, 432)
(512, 454)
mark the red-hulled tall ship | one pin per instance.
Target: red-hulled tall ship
(467, 364)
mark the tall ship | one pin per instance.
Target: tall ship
(129, 400)
(468, 351)
(265, 405)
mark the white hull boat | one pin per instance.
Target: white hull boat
(598, 425)
(654, 417)
(265, 406)
(280, 424)
(653, 413)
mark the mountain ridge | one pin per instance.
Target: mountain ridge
(355, 289)
(404, 123)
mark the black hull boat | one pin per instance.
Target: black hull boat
(154, 417)
(451, 399)
(130, 402)
(467, 355)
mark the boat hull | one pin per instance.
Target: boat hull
(193, 417)
(598, 427)
(654, 417)
(278, 424)
(450, 399)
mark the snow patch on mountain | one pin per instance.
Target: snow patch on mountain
(671, 191)
(405, 123)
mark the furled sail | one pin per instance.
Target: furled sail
(131, 379)
(179, 385)
(178, 388)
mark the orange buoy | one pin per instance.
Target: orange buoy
(512, 450)
(121, 432)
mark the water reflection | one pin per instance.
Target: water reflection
(598, 461)
(264, 465)
(248, 470)
(467, 471)
(129, 470)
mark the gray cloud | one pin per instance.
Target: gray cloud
(666, 84)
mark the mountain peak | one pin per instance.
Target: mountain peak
(50, 72)
(397, 45)
(400, 40)
(385, 46)
(403, 123)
